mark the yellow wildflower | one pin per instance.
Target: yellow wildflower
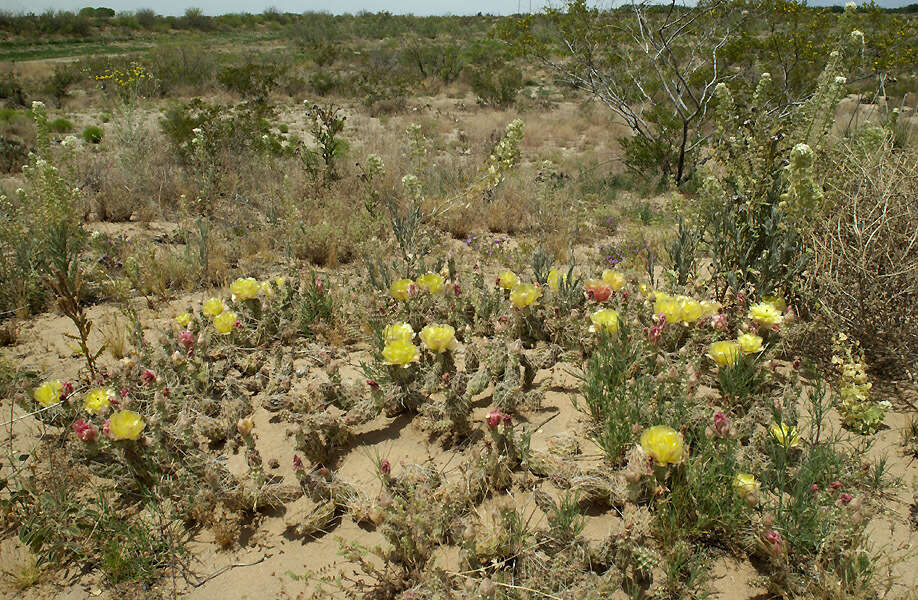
(606, 320)
(724, 353)
(245, 288)
(438, 338)
(615, 279)
(709, 308)
(668, 306)
(765, 314)
(266, 288)
(183, 319)
(48, 393)
(749, 343)
(508, 280)
(225, 321)
(213, 307)
(785, 435)
(664, 444)
(524, 294)
(400, 352)
(97, 400)
(745, 484)
(125, 425)
(554, 280)
(402, 289)
(431, 282)
(690, 310)
(398, 331)
(776, 301)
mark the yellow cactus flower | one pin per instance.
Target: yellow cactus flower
(266, 288)
(745, 484)
(785, 435)
(225, 322)
(604, 320)
(668, 306)
(213, 307)
(508, 280)
(663, 444)
(400, 352)
(184, 319)
(776, 301)
(48, 393)
(645, 291)
(279, 282)
(438, 338)
(690, 310)
(125, 425)
(431, 282)
(765, 314)
(709, 308)
(524, 294)
(245, 288)
(402, 289)
(749, 343)
(398, 331)
(97, 400)
(615, 279)
(724, 353)
(554, 280)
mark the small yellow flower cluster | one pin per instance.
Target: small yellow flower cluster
(682, 309)
(223, 319)
(126, 78)
(765, 314)
(522, 294)
(856, 408)
(399, 348)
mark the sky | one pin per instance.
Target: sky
(417, 7)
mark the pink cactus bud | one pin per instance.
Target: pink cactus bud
(186, 339)
(148, 376)
(85, 432)
(297, 463)
(66, 390)
(385, 467)
(494, 418)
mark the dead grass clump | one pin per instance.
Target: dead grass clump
(865, 269)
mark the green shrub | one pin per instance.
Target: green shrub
(322, 82)
(60, 125)
(496, 87)
(105, 117)
(92, 134)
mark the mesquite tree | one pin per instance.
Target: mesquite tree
(655, 66)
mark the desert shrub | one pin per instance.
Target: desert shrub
(61, 125)
(92, 134)
(759, 188)
(322, 82)
(251, 81)
(182, 66)
(13, 154)
(58, 85)
(865, 252)
(496, 86)
(44, 210)
(11, 90)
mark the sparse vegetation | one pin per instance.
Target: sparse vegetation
(578, 304)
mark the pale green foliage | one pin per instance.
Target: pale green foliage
(46, 206)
